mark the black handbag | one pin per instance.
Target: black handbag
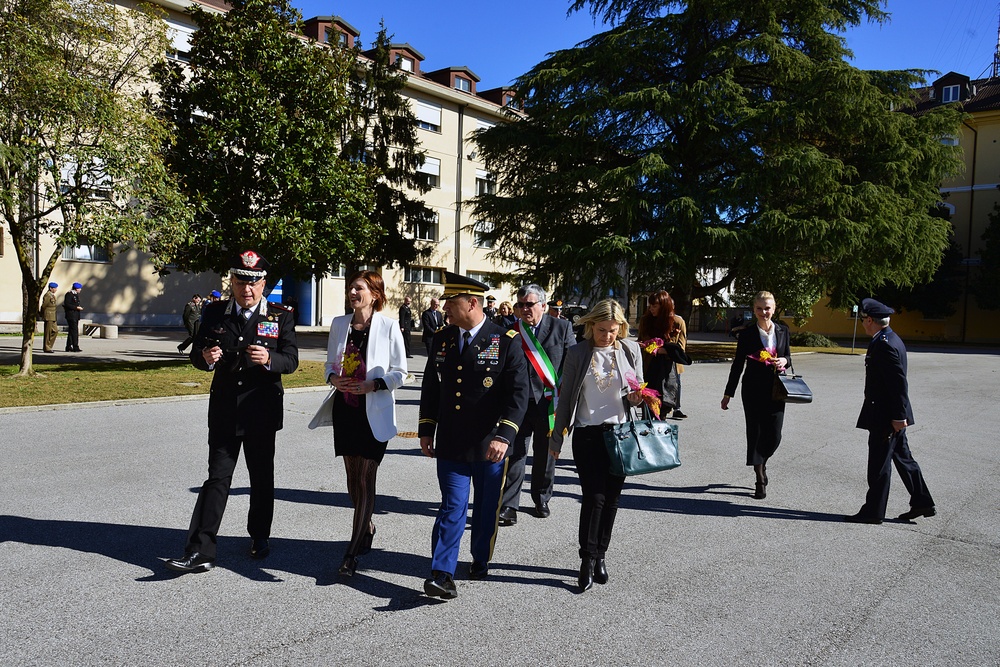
(791, 389)
(643, 446)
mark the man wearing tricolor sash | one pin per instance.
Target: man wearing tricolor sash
(545, 341)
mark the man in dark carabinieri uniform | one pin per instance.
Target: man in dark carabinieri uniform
(474, 394)
(249, 343)
(886, 414)
(73, 308)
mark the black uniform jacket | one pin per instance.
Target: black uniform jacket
(246, 397)
(472, 397)
(886, 390)
(758, 381)
(70, 305)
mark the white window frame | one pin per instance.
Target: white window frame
(479, 228)
(426, 230)
(179, 35)
(87, 252)
(950, 93)
(428, 115)
(463, 84)
(483, 278)
(424, 275)
(485, 184)
(404, 63)
(431, 168)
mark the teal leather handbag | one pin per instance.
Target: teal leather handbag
(638, 447)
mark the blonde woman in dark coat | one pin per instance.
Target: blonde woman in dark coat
(763, 415)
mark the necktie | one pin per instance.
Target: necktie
(245, 313)
(466, 337)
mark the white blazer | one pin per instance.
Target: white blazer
(386, 359)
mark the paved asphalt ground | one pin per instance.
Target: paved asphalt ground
(96, 497)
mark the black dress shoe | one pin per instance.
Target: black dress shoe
(917, 512)
(586, 580)
(441, 585)
(542, 510)
(259, 549)
(479, 571)
(508, 516)
(861, 518)
(759, 493)
(366, 542)
(677, 414)
(349, 566)
(192, 562)
(600, 571)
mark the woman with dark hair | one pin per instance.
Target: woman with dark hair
(595, 380)
(764, 349)
(659, 369)
(365, 363)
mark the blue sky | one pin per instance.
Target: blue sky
(498, 40)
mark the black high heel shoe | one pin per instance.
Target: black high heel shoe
(600, 571)
(586, 580)
(366, 542)
(349, 566)
(759, 492)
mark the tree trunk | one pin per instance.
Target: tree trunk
(30, 294)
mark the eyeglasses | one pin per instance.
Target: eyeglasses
(525, 304)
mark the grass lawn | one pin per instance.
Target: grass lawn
(120, 380)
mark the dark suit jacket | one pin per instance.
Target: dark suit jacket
(758, 380)
(246, 397)
(886, 390)
(405, 318)
(427, 321)
(471, 397)
(556, 337)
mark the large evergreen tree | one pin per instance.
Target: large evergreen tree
(381, 131)
(710, 144)
(79, 146)
(986, 277)
(258, 118)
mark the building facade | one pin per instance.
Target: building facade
(122, 288)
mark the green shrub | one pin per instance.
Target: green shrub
(810, 339)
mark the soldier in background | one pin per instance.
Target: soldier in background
(48, 313)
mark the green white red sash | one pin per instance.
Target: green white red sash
(539, 360)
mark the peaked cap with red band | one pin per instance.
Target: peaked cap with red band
(249, 266)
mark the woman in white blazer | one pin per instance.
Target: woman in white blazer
(365, 363)
(594, 383)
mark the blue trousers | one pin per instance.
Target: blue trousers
(454, 478)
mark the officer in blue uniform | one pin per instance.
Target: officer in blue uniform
(885, 415)
(248, 343)
(473, 398)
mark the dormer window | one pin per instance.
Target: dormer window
(463, 84)
(404, 63)
(950, 93)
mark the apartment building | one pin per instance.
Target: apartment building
(121, 287)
